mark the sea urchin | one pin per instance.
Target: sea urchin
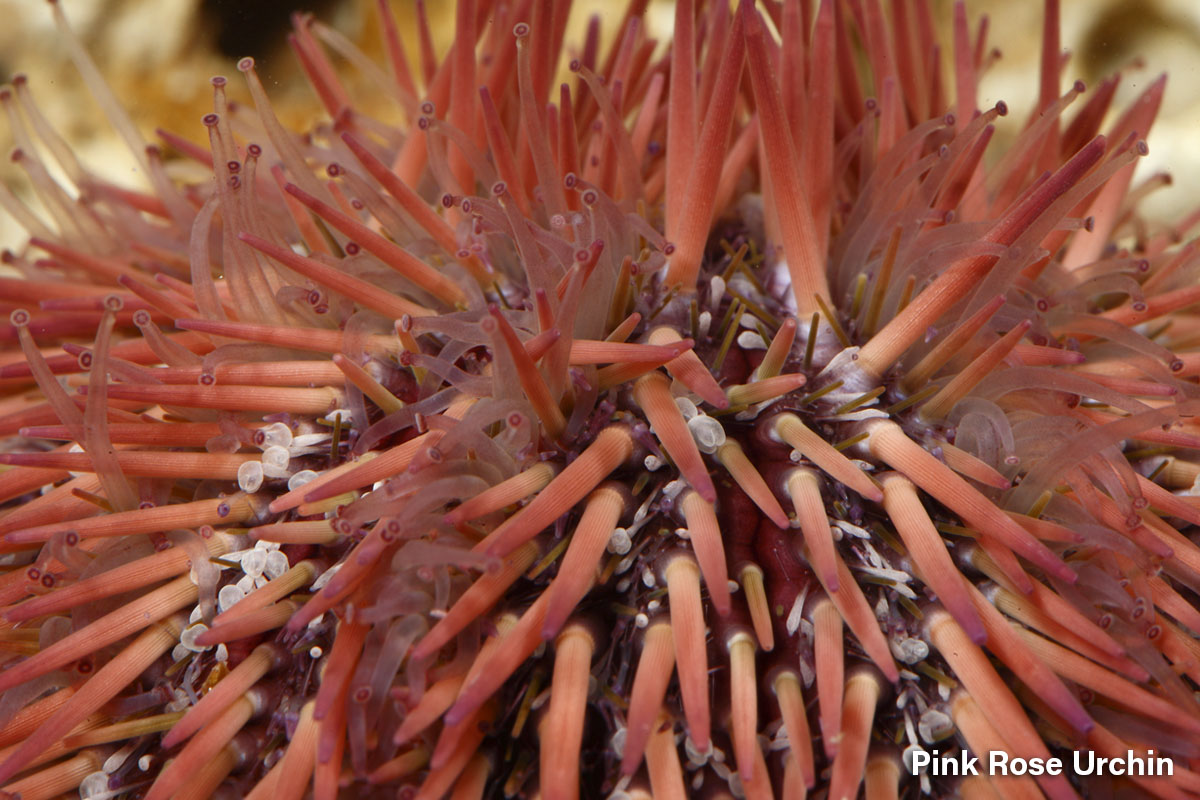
(703, 420)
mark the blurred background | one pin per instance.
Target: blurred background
(159, 54)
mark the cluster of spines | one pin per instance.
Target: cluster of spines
(566, 192)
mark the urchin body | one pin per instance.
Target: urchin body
(700, 425)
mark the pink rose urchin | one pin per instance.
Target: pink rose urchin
(721, 419)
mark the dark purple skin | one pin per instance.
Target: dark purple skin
(738, 519)
(786, 575)
(735, 369)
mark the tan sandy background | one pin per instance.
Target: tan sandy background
(159, 55)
